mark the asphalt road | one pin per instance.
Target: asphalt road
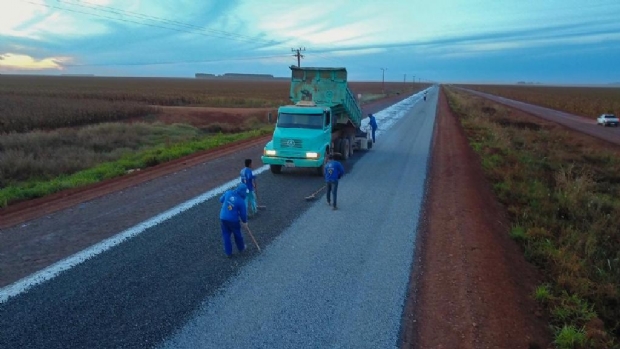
(575, 122)
(149, 290)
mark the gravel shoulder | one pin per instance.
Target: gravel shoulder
(332, 279)
(472, 286)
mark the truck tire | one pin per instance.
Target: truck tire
(321, 169)
(369, 144)
(275, 169)
(351, 145)
(338, 146)
(345, 149)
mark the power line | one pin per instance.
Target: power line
(135, 22)
(326, 58)
(114, 10)
(177, 62)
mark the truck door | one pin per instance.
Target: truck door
(328, 119)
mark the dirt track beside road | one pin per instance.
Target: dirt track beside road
(471, 286)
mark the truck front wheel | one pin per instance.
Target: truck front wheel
(275, 169)
(321, 169)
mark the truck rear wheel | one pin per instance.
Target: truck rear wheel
(369, 144)
(351, 145)
(345, 148)
(340, 147)
(275, 169)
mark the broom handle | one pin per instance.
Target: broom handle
(252, 236)
(321, 188)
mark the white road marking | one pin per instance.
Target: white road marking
(55, 269)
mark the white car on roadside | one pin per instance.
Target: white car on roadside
(607, 119)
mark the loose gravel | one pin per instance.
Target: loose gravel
(139, 293)
(332, 279)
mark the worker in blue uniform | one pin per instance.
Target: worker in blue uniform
(373, 125)
(233, 209)
(333, 172)
(249, 179)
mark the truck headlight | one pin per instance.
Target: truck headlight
(270, 152)
(312, 155)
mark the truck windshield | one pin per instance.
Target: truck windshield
(287, 120)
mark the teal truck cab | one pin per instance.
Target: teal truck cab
(325, 118)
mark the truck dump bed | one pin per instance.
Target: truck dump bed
(325, 86)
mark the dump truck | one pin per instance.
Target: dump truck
(324, 117)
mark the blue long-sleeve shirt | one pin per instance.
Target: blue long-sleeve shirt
(247, 178)
(233, 205)
(373, 122)
(333, 171)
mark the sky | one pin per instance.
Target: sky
(448, 41)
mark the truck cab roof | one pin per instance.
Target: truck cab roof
(302, 109)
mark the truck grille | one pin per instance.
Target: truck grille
(290, 143)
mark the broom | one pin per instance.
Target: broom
(252, 236)
(313, 196)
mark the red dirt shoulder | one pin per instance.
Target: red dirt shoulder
(471, 286)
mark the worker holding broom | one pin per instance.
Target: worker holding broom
(233, 209)
(333, 172)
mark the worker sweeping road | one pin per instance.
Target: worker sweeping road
(373, 125)
(333, 172)
(233, 209)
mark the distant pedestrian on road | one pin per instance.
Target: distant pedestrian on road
(249, 179)
(333, 172)
(373, 125)
(233, 209)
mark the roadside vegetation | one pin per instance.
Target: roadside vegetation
(28, 113)
(41, 163)
(589, 102)
(30, 103)
(562, 192)
(175, 92)
(151, 91)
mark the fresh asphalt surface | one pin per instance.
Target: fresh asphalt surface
(324, 278)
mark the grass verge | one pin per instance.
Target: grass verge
(129, 161)
(562, 192)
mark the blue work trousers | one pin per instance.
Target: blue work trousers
(229, 228)
(332, 186)
(373, 135)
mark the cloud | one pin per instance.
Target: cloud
(11, 61)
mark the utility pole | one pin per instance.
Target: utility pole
(298, 55)
(383, 80)
(405, 80)
(413, 80)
